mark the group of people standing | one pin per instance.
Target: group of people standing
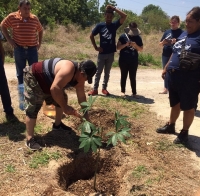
(182, 76)
(47, 80)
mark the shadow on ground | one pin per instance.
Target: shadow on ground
(139, 99)
(197, 113)
(193, 144)
(64, 139)
(13, 129)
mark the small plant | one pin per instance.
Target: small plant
(91, 136)
(10, 168)
(139, 171)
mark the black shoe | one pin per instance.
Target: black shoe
(62, 127)
(168, 128)
(33, 145)
(182, 137)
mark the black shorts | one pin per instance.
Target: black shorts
(184, 88)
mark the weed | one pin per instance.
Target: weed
(165, 145)
(38, 128)
(10, 168)
(43, 158)
(115, 64)
(139, 171)
(146, 59)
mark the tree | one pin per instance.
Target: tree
(155, 17)
(93, 15)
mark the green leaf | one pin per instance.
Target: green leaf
(86, 126)
(93, 146)
(85, 135)
(110, 133)
(85, 104)
(87, 145)
(109, 141)
(121, 138)
(114, 139)
(97, 140)
(118, 125)
(83, 143)
(116, 115)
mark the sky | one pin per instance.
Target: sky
(171, 7)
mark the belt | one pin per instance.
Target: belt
(25, 47)
(172, 71)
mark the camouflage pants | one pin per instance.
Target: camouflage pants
(33, 94)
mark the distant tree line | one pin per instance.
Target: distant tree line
(87, 12)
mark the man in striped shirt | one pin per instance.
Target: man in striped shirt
(26, 37)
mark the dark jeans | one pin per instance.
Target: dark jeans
(4, 91)
(21, 56)
(126, 68)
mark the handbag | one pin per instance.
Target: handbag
(188, 60)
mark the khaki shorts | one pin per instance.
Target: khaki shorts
(34, 96)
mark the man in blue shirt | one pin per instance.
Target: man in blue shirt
(107, 32)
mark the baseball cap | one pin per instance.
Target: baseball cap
(89, 68)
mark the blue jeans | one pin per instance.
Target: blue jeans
(165, 59)
(4, 91)
(104, 62)
(21, 56)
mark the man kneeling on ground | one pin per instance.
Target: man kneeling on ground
(47, 81)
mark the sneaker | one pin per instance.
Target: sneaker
(182, 137)
(93, 92)
(33, 145)
(123, 95)
(168, 128)
(105, 92)
(61, 127)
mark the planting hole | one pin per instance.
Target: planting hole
(81, 168)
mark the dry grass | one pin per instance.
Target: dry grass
(74, 43)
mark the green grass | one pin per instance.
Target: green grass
(38, 128)
(10, 168)
(43, 158)
(148, 59)
(9, 59)
(165, 145)
(140, 171)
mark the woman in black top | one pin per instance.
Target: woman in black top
(129, 44)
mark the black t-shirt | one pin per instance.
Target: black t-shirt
(169, 34)
(129, 53)
(107, 33)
